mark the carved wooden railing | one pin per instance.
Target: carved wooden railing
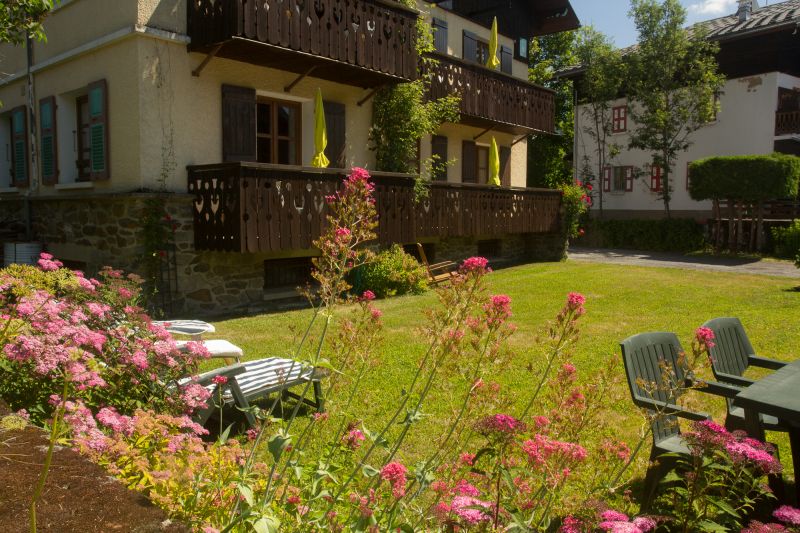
(378, 35)
(493, 95)
(771, 210)
(787, 122)
(251, 207)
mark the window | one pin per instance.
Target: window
(475, 49)
(82, 134)
(277, 132)
(48, 150)
(440, 35)
(505, 60)
(439, 149)
(619, 119)
(19, 146)
(618, 179)
(655, 178)
(482, 164)
(522, 49)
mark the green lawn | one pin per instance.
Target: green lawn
(621, 301)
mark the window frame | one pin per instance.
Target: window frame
(274, 137)
(610, 179)
(480, 148)
(619, 119)
(656, 175)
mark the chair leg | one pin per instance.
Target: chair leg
(318, 397)
(655, 471)
(240, 400)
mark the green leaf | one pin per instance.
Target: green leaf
(277, 444)
(267, 524)
(369, 471)
(247, 494)
(723, 506)
(708, 525)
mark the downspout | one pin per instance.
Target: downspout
(33, 184)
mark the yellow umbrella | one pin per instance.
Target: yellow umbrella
(494, 164)
(320, 134)
(492, 61)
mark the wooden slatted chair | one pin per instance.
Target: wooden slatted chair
(257, 379)
(643, 355)
(437, 272)
(731, 355)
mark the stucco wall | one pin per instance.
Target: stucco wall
(745, 125)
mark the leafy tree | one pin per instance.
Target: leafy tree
(601, 83)
(549, 161)
(673, 82)
(20, 18)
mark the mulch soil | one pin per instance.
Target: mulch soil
(79, 495)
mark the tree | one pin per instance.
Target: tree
(673, 84)
(601, 83)
(549, 161)
(20, 18)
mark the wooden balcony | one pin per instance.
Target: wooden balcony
(252, 207)
(787, 122)
(490, 98)
(358, 42)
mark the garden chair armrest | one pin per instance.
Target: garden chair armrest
(443, 264)
(765, 362)
(725, 390)
(671, 409)
(227, 371)
(735, 380)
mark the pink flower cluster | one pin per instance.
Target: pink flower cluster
(498, 310)
(395, 474)
(705, 336)
(47, 263)
(542, 449)
(787, 515)
(575, 301)
(758, 527)
(499, 426)
(478, 265)
(707, 436)
(353, 438)
(616, 522)
(471, 511)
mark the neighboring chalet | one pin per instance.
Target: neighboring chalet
(212, 102)
(759, 113)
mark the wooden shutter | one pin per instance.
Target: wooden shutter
(335, 126)
(49, 142)
(655, 178)
(628, 179)
(470, 51)
(469, 162)
(505, 166)
(439, 148)
(440, 35)
(19, 140)
(238, 123)
(506, 55)
(607, 179)
(98, 130)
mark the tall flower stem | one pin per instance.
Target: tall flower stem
(37, 493)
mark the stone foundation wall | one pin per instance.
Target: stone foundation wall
(91, 231)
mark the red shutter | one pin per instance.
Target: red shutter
(48, 141)
(655, 178)
(607, 179)
(628, 179)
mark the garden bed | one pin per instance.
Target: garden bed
(78, 496)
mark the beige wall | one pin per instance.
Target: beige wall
(456, 133)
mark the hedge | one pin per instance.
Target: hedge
(749, 178)
(662, 235)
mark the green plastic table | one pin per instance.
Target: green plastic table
(777, 394)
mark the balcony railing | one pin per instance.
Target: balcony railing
(251, 207)
(360, 42)
(490, 97)
(787, 122)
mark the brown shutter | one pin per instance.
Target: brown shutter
(19, 154)
(505, 59)
(439, 149)
(335, 126)
(238, 123)
(505, 166)
(49, 142)
(98, 131)
(470, 51)
(440, 35)
(468, 162)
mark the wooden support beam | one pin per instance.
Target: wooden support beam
(484, 132)
(297, 80)
(369, 95)
(196, 72)
(518, 140)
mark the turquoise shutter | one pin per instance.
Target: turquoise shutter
(19, 140)
(49, 148)
(98, 130)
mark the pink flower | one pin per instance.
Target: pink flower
(367, 296)
(619, 527)
(575, 300)
(787, 515)
(757, 527)
(252, 434)
(23, 413)
(464, 488)
(705, 336)
(614, 516)
(465, 507)
(644, 523)
(467, 458)
(395, 474)
(219, 380)
(353, 438)
(342, 234)
(499, 426)
(742, 452)
(194, 396)
(474, 264)
(125, 293)
(572, 525)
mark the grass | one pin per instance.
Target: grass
(621, 301)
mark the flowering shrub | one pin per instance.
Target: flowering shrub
(392, 272)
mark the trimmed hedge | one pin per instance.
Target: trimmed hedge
(662, 235)
(786, 240)
(748, 178)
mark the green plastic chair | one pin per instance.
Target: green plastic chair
(731, 355)
(641, 355)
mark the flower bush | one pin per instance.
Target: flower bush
(393, 272)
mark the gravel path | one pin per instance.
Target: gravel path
(670, 260)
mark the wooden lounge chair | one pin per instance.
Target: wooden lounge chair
(642, 355)
(731, 355)
(257, 379)
(437, 272)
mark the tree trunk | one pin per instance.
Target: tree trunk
(739, 225)
(760, 227)
(731, 224)
(717, 226)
